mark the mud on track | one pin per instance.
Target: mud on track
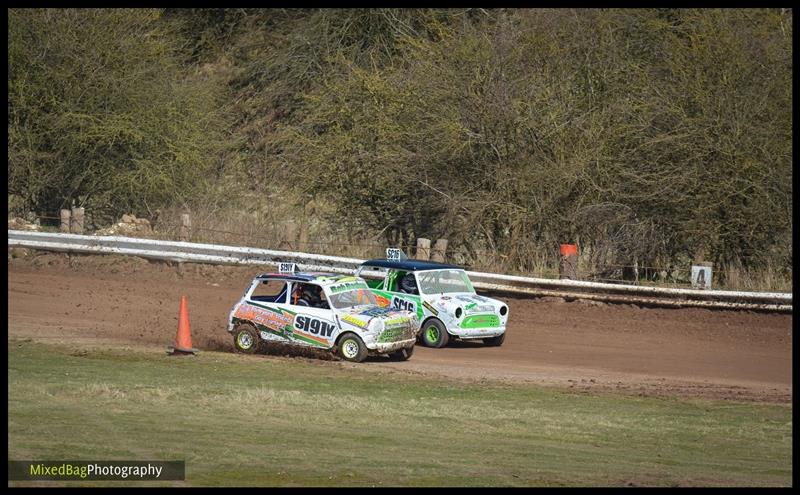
(583, 346)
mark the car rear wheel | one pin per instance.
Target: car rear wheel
(495, 341)
(434, 334)
(352, 348)
(403, 354)
(245, 338)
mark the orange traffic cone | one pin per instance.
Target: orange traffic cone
(183, 339)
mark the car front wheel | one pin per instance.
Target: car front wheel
(434, 334)
(352, 348)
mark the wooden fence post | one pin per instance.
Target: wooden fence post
(423, 249)
(289, 239)
(439, 249)
(76, 221)
(186, 227)
(302, 244)
(65, 219)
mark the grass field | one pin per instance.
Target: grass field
(254, 420)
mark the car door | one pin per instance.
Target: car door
(399, 299)
(312, 326)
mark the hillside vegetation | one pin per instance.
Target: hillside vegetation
(647, 136)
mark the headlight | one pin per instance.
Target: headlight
(458, 312)
(377, 326)
(503, 310)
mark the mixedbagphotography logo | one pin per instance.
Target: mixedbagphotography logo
(96, 470)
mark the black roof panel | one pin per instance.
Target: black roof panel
(301, 276)
(410, 265)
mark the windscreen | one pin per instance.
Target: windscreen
(444, 282)
(354, 297)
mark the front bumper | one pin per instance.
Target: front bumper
(478, 333)
(385, 347)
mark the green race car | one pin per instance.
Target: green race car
(442, 297)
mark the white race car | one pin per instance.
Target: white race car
(321, 310)
(442, 297)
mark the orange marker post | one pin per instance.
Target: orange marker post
(568, 268)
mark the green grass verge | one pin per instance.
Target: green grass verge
(251, 420)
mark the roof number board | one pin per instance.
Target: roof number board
(286, 268)
(395, 254)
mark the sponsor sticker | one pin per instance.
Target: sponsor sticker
(354, 321)
(392, 335)
(375, 311)
(275, 319)
(399, 321)
(430, 308)
(348, 286)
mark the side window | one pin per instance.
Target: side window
(371, 280)
(408, 284)
(270, 291)
(311, 295)
(394, 278)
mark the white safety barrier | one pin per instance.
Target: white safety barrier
(571, 289)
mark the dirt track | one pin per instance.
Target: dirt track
(687, 352)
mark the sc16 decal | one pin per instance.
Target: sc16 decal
(314, 325)
(398, 303)
(395, 254)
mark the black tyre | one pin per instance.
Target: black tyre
(403, 354)
(434, 334)
(495, 341)
(246, 338)
(351, 348)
